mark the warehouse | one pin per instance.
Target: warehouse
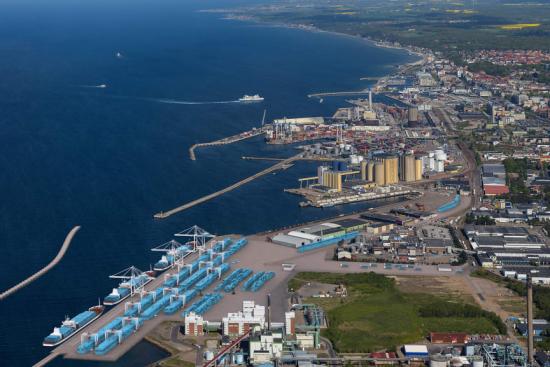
(351, 225)
(498, 231)
(414, 350)
(481, 242)
(290, 241)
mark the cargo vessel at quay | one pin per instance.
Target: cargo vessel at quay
(132, 280)
(174, 251)
(69, 327)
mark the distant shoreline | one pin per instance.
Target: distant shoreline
(310, 28)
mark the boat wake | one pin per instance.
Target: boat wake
(174, 101)
(99, 86)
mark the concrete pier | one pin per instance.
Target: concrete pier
(280, 165)
(224, 141)
(45, 269)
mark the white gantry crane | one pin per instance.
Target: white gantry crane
(197, 237)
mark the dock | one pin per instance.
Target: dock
(278, 166)
(228, 140)
(338, 94)
(45, 269)
(261, 158)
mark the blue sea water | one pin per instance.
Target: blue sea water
(109, 158)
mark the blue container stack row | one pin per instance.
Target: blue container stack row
(152, 311)
(145, 302)
(215, 273)
(236, 247)
(259, 283)
(255, 282)
(114, 339)
(246, 286)
(232, 280)
(109, 336)
(94, 339)
(180, 301)
(188, 283)
(204, 304)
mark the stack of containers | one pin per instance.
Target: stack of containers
(89, 344)
(259, 283)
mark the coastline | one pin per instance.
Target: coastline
(421, 54)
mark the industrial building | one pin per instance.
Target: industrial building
(494, 179)
(318, 233)
(238, 323)
(194, 324)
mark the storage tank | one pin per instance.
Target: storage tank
(440, 155)
(456, 362)
(410, 168)
(208, 355)
(370, 171)
(354, 159)
(438, 360)
(477, 361)
(432, 164)
(364, 171)
(379, 178)
(439, 166)
(418, 168)
(239, 358)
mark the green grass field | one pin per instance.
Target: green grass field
(377, 316)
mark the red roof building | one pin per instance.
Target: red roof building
(449, 338)
(493, 190)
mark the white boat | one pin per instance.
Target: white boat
(254, 98)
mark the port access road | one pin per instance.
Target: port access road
(280, 165)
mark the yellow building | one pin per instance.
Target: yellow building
(419, 168)
(391, 170)
(370, 171)
(333, 180)
(364, 170)
(410, 168)
(379, 176)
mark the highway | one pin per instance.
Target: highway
(280, 165)
(45, 269)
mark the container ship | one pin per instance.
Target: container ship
(174, 250)
(70, 326)
(126, 288)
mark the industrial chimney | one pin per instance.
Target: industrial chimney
(370, 99)
(269, 311)
(530, 353)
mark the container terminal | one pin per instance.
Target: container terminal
(214, 277)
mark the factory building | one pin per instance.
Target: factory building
(290, 323)
(266, 346)
(238, 323)
(194, 324)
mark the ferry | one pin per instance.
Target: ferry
(69, 327)
(254, 98)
